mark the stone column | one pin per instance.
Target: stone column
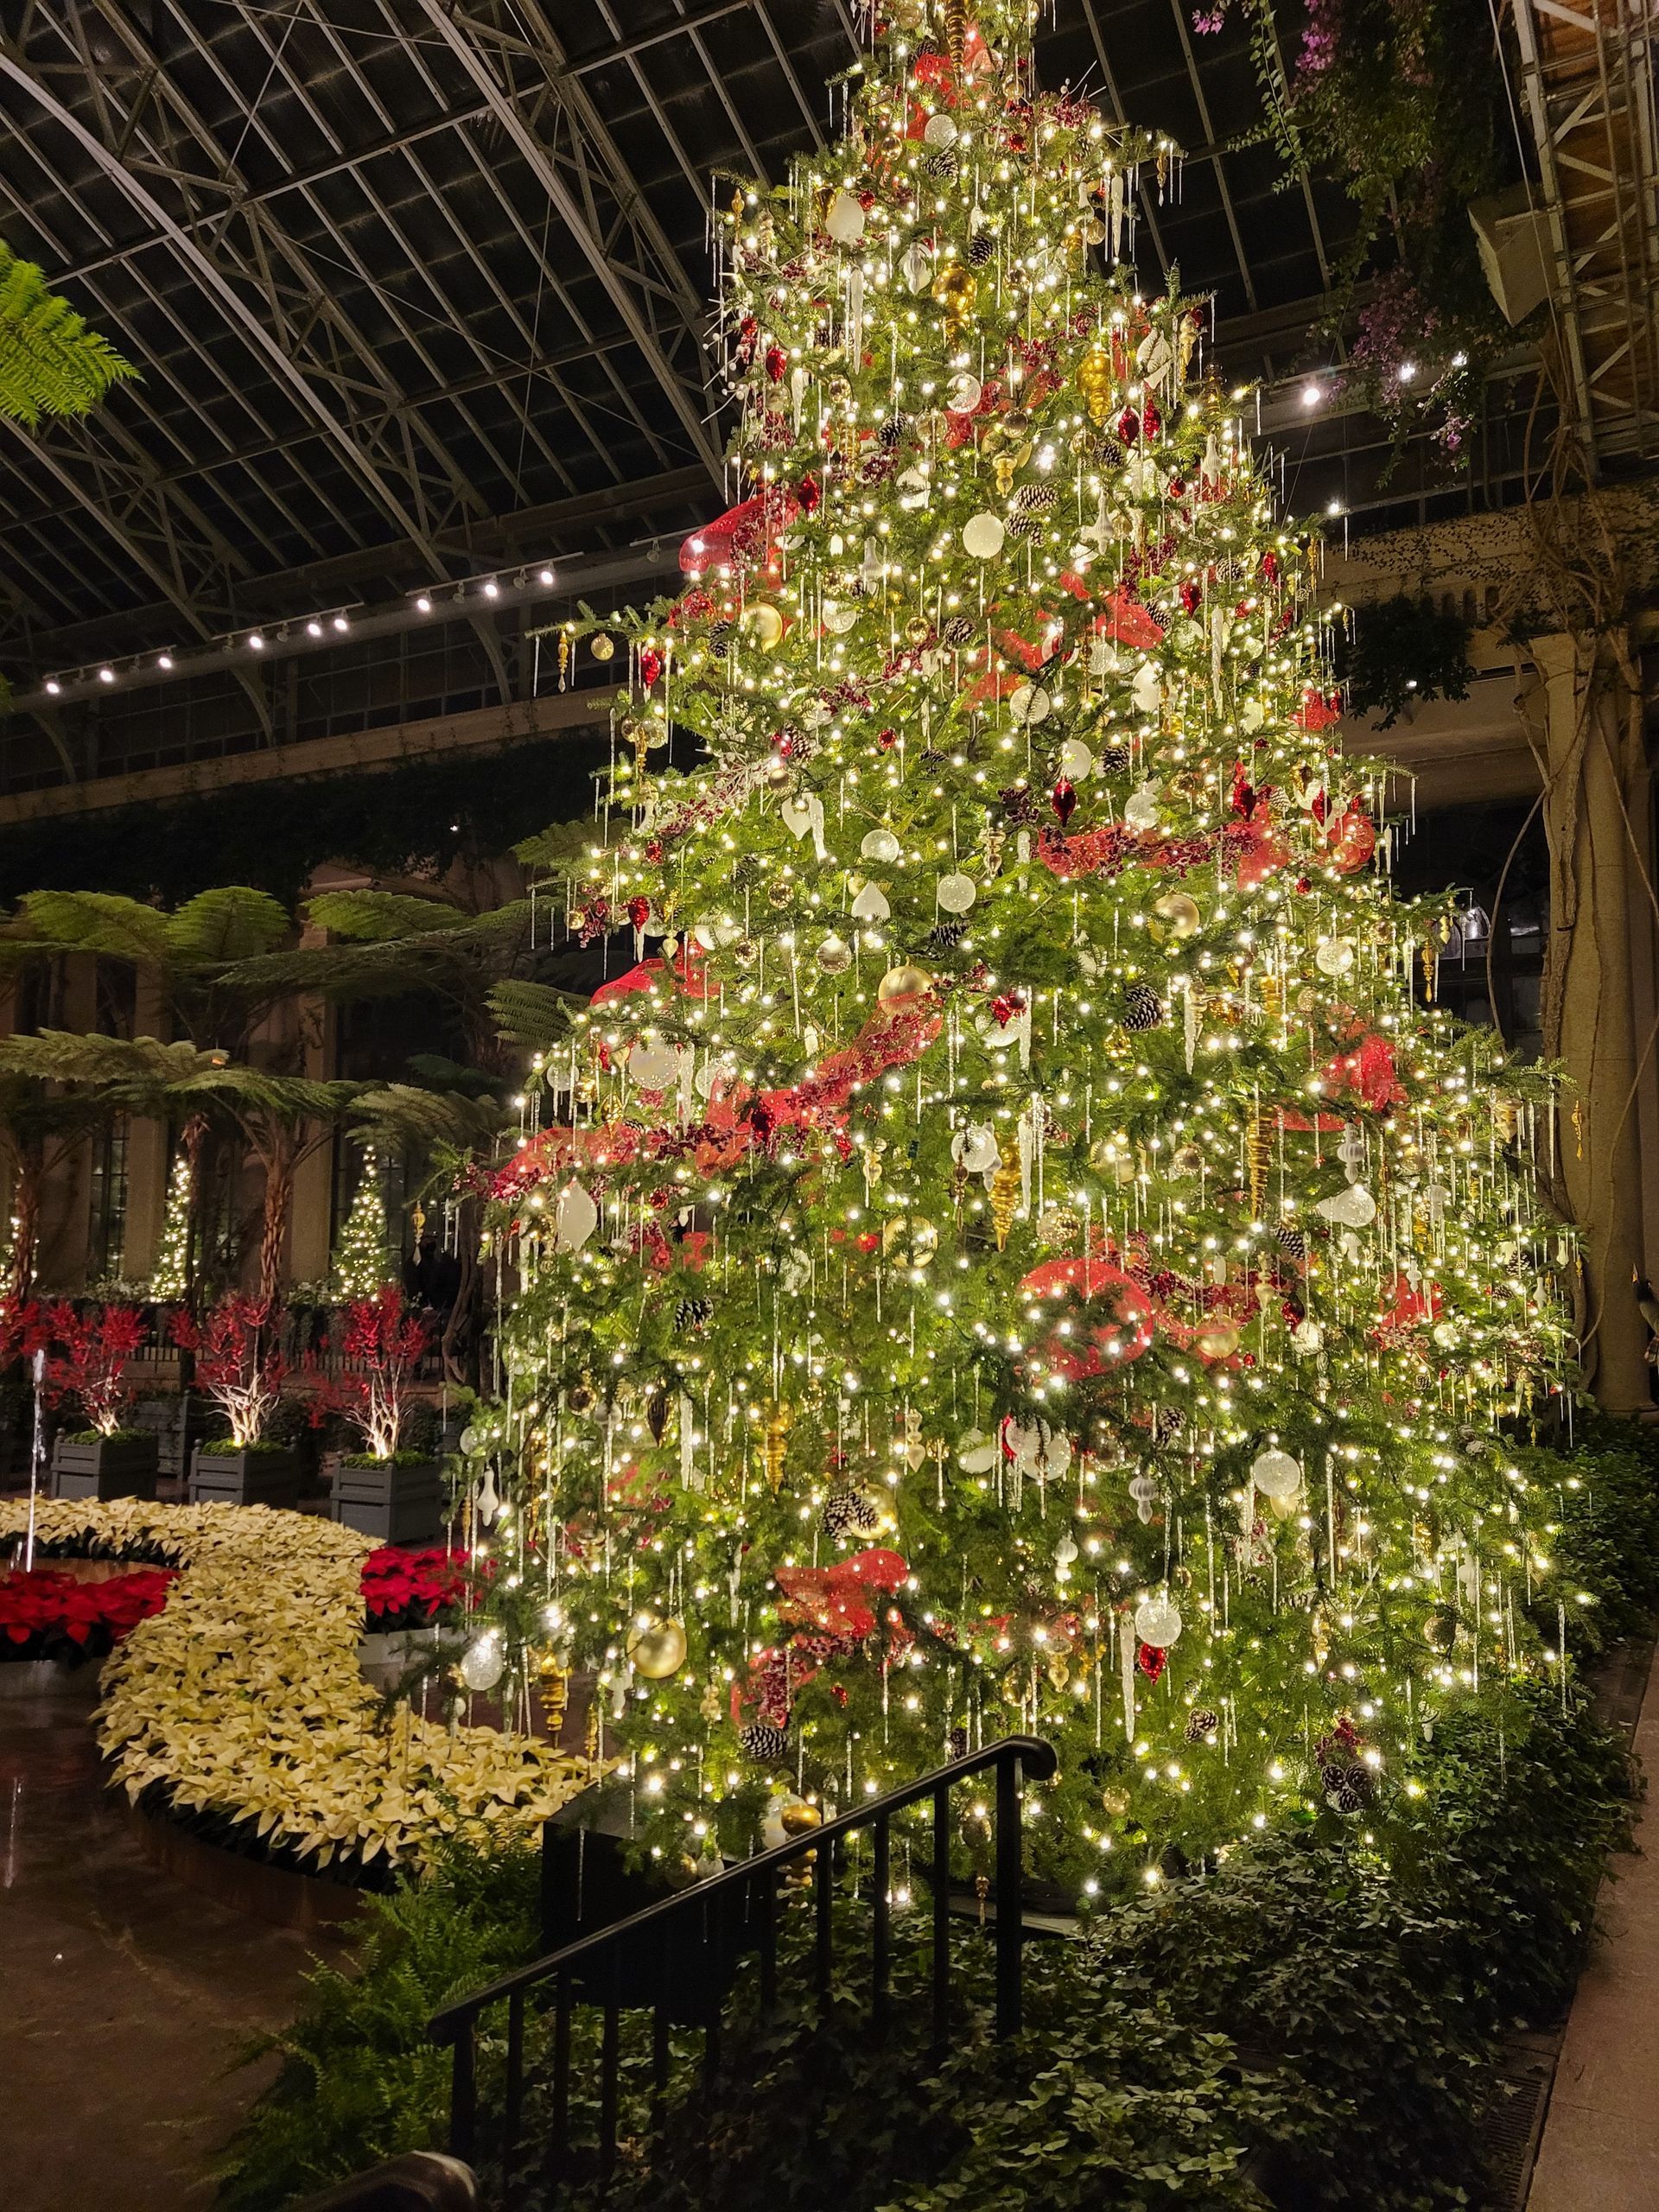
(1595, 802)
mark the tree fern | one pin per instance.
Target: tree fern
(50, 363)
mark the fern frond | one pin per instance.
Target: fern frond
(50, 362)
(533, 1013)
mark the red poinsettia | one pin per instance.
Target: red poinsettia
(45, 1615)
(411, 1589)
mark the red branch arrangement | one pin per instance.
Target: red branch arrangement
(239, 1363)
(86, 1355)
(380, 1345)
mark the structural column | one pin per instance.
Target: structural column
(1596, 816)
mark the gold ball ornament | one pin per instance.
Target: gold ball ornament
(1216, 1340)
(764, 623)
(602, 646)
(1115, 1800)
(1096, 384)
(657, 1648)
(796, 1817)
(903, 987)
(1177, 914)
(955, 289)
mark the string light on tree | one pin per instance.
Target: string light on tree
(1067, 1302)
(362, 1260)
(169, 1277)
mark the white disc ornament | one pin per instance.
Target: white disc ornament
(965, 394)
(1333, 955)
(1307, 1337)
(1029, 702)
(957, 891)
(940, 130)
(1276, 1474)
(845, 220)
(1158, 1622)
(983, 536)
(975, 1452)
(1076, 760)
(881, 847)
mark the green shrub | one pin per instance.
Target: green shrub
(359, 2081)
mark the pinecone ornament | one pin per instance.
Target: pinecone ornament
(850, 1513)
(1200, 1723)
(981, 247)
(763, 1743)
(958, 631)
(1142, 1009)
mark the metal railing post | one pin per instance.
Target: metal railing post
(1009, 1915)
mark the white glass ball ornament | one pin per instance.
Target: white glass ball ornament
(1076, 760)
(940, 130)
(881, 847)
(965, 392)
(975, 1147)
(1158, 1622)
(1354, 1208)
(1307, 1337)
(485, 1661)
(1028, 702)
(845, 220)
(957, 893)
(651, 1065)
(1333, 955)
(983, 536)
(1141, 808)
(835, 956)
(1276, 1474)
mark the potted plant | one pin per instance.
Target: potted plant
(382, 1491)
(241, 1366)
(86, 1358)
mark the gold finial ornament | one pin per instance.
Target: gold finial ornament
(1005, 1192)
(1094, 382)
(1260, 1159)
(956, 30)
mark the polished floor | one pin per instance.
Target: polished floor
(124, 1996)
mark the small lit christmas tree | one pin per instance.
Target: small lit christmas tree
(1015, 1255)
(362, 1261)
(167, 1276)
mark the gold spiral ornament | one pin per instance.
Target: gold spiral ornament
(956, 30)
(1260, 1159)
(1004, 1193)
(776, 1445)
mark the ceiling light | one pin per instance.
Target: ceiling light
(1311, 395)
(164, 660)
(106, 676)
(341, 623)
(314, 629)
(547, 575)
(425, 604)
(256, 644)
(1335, 507)
(492, 590)
(53, 685)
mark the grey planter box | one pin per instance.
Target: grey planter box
(244, 1478)
(116, 1467)
(398, 1506)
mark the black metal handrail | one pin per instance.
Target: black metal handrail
(748, 1890)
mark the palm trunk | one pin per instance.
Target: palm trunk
(26, 1213)
(279, 1197)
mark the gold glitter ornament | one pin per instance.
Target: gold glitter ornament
(955, 289)
(1096, 384)
(602, 646)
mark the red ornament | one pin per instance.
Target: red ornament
(1191, 597)
(1352, 840)
(888, 739)
(810, 494)
(777, 362)
(1128, 426)
(1150, 1659)
(639, 912)
(1270, 566)
(1063, 800)
(1151, 420)
(651, 666)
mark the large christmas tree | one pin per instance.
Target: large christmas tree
(1012, 1255)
